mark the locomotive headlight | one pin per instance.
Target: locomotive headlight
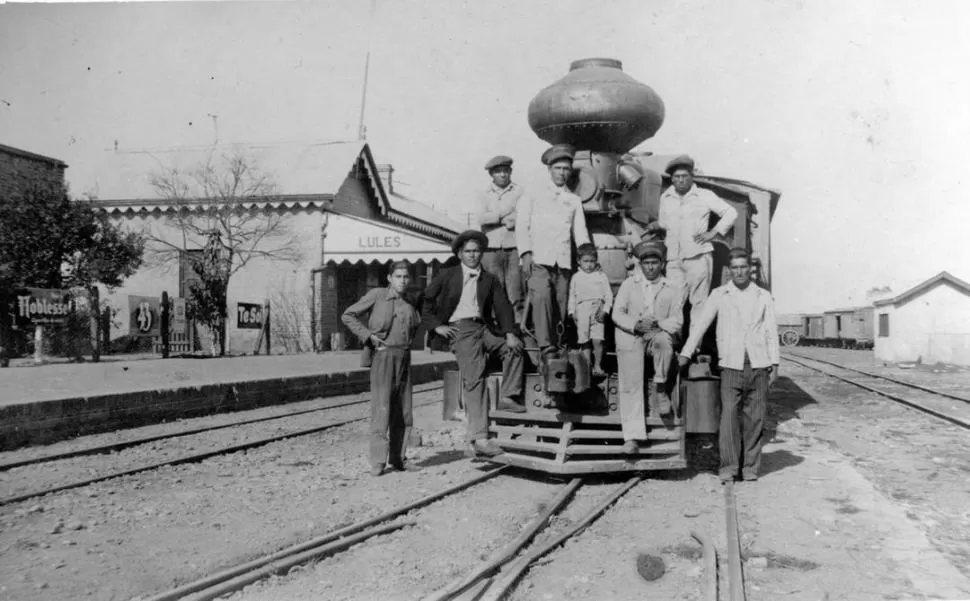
(629, 174)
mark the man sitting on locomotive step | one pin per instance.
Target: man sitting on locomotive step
(496, 211)
(648, 314)
(462, 307)
(685, 211)
(549, 221)
(747, 344)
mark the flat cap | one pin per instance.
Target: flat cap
(498, 161)
(467, 235)
(651, 248)
(681, 161)
(557, 152)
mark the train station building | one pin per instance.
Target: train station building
(339, 211)
(929, 322)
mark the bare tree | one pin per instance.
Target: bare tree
(224, 206)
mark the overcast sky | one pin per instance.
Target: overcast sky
(859, 112)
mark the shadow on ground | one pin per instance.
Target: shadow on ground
(785, 400)
(442, 458)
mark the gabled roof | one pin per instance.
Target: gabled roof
(31, 155)
(943, 277)
(406, 211)
(308, 170)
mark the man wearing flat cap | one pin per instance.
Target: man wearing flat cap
(685, 212)
(550, 221)
(495, 213)
(466, 310)
(648, 314)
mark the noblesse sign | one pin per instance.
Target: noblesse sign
(36, 306)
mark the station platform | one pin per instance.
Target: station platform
(46, 403)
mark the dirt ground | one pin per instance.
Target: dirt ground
(858, 499)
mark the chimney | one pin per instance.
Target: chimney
(386, 173)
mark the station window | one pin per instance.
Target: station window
(883, 325)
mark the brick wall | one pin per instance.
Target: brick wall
(49, 421)
(18, 172)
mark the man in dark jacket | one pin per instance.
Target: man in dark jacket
(466, 309)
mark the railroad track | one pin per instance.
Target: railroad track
(942, 405)
(125, 444)
(495, 578)
(196, 457)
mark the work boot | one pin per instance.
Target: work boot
(404, 466)
(377, 470)
(486, 448)
(663, 403)
(631, 447)
(507, 404)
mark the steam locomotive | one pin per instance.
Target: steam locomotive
(572, 424)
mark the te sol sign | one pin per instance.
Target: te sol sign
(249, 316)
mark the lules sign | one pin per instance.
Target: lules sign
(364, 242)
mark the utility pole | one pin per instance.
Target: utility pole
(361, 128)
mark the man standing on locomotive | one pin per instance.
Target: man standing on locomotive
(466, 310)
(495, 212)
(685, 211)
(747, 344)
(648, 314)
(549, 222)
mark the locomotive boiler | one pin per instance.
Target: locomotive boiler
(571, 424)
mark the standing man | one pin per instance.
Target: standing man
(747, 343)
(685, 211)
(466, 309)
(496, 210)
(549, 222)
(648, 315)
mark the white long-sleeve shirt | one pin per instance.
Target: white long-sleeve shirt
(548, 222)
(745, 324)
(686, 216)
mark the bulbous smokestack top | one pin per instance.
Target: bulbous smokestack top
(597, 107)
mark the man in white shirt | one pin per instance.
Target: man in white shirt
(685, 212)
(747, 344)
(495, 213)
(549, 222)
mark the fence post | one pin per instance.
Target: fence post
(95, 315)
(38, 344)
(313, 310)
(166, 334)
(266, 328)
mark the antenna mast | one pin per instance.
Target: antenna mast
(361, 129)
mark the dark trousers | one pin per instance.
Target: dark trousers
(503, 263)
(390, 406)
(474, 344)
(549, 291)
(745, 392)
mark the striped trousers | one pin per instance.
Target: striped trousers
(744, 398)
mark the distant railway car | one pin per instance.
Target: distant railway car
(814, 329)
(851, 326)
(790, 328)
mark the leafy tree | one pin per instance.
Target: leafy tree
(48, 240)
(223, 205)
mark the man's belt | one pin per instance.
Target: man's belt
(475, 320)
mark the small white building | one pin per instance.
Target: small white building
(929, 322)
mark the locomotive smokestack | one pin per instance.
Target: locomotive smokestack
(597, 107)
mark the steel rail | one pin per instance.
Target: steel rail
(117, 446)
(508, 578)
(735, 573)
(913, 405)
(232, 579)
(948, 395)
(508, 552)
(194, 458)
(710, 564)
